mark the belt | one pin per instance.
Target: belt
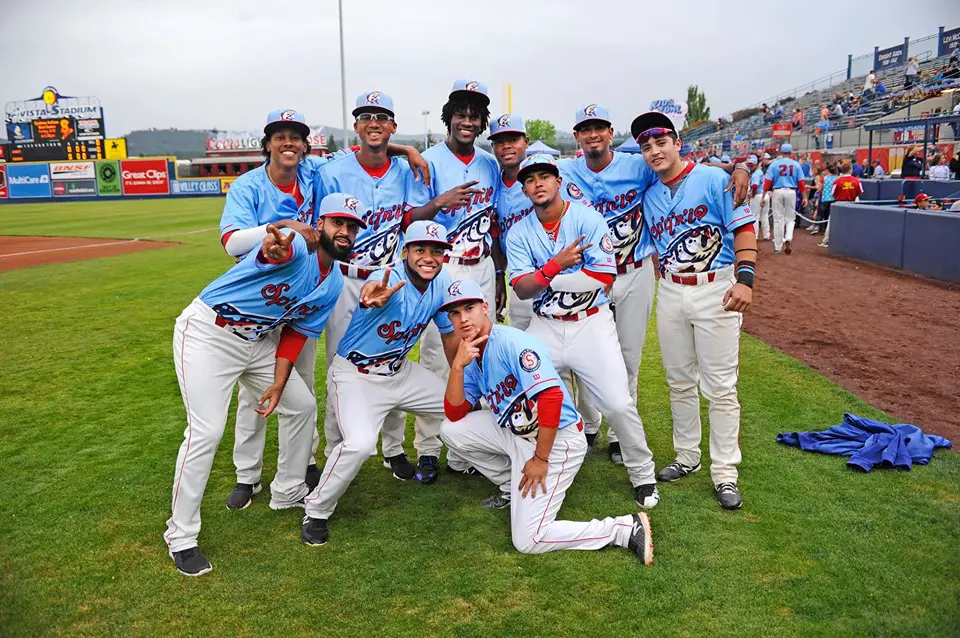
(463, 261)
(693, 280)
(355, 272)
(575, 317)
(625, 268)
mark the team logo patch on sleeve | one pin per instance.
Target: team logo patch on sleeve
(606, 244)
(574, 191)
(529, 360)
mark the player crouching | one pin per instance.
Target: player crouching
(249, 326)
(530, 441)
(699, 236)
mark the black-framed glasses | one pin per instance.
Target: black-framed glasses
(380, 117)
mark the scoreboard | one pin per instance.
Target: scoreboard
(54, 151)
(54, 128)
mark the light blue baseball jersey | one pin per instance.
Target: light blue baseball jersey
(529, 248)
(511, 206)
(388, 199)
(468, 227)
(784, 172)
(756, 179)
(378, 340)
(514, 368)
(255, 297)
(693, 231)
(615, 192)
(826, 194)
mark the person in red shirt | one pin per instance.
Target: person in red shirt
(846, 188)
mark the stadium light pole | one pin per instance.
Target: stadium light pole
(426, 135)
(343, 75)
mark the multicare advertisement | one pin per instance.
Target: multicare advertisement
(28, 180)
(3, 182)
(108, 178)
(195, 187)
(145, 177)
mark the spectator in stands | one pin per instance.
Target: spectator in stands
(939, 169)
(955, 166)
(805, 164)
(777, 111)
(910, 73)
(797, 119)
(824, 112)
(869, 86)
(823, 127)
(878, 170)
(955, 125)
(881, 88)
(923, 202)
(822, 213)
(846, 188)
(912, 163)
(836, 113)
(865, 166)
(857, 170)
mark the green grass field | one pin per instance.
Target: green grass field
(92, 420)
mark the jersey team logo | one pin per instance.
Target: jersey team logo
(504, 120)
(377, 249)
(552, 303)
(386, 364)
(529, 360)
(574, 191)
(288, 115)
(606, 244)
(471, 86)
(351, 203)
(625, 229)
(470, 237)
(694, 250)
(374, 98)
(590, 109)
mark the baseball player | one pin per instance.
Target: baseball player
(249, 326)
(759, 201)
(386, 184)
(707, 250)
(463, 187)
(784, 177)
(563, 258)
(530, 441)
(613, 184)
(370, 375)
(281, 191)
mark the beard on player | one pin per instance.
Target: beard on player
(337, 237)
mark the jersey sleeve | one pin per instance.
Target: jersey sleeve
(314, 324)
(240, 209)
(442, 321)
(519, 258)
(529, 360)
(600, 256)
(733, 217)
(646, 176)
(471, 384)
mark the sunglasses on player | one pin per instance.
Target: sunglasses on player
(654, 132)
(380, 117)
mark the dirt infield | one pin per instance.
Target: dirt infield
(24, 251)
(891, 338)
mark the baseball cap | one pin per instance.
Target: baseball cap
(342, 205)
(286, 117)
(426, 232)
(473, 88)
(537, 162)
(766, 156)
(461, 291)
(590, 113)
(920, 197)
(374, 101)
(725, 159)
(650, 121)
(786, 148)
(752, 159)
(507, 123)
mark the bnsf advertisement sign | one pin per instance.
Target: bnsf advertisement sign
(145, 177)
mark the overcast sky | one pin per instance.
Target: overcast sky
(225, 64)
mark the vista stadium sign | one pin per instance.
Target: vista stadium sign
(50, 104)
(248, 141)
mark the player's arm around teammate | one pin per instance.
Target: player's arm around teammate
(707, 249)
(530, 441)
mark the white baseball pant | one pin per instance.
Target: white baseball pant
(395, 423)
(760, 206)
(209, 361)
(784, 205)
(500, 456)
(250, 431)
(700, 344)
(589, 347)
(362, 402)
(520, 313)
(432, 357)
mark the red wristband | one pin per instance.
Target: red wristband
(551, 269)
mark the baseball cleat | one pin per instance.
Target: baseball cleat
(402, 468)
(591, 439)
(823, 244)
(427, 469)
(786, 247)
(613, 450)
(676, 471)
(313, 531)
(275, 505)
(497, 502)
(641, 538)
(312, 479)
(191, 562)
(469, 471)
(647, 496)
(242, 495)
(729, 496)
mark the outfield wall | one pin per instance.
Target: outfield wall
(135, 178)
(921, 242)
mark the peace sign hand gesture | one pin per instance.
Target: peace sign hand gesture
(276, 245)
(467, 351)
(572, 254)
(375, 294)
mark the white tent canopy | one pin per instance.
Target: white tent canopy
(539, 147)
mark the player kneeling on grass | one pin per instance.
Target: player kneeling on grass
(371, 375)
(699, 235)
(249, 326)
(530, 441)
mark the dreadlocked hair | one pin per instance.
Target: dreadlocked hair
(460, 104)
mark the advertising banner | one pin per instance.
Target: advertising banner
(782, 129)
(248, 141)
(72, 170)
(115, 148)
(676, 111)
(75, 188)
(888, 58)
(28, 180)
(949, 42)
(145, 177)
(225, 183)
(195, 186)
(108, 178)
(4, 191)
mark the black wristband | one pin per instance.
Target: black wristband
(746, 271)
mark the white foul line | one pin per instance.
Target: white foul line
(112, 243)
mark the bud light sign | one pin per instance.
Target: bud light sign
(145, 177)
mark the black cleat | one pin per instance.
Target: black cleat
(314, 532)
(427, 469)
(312, 479)
(191, 562)
(647, 496)
(641, 538)
(729, 496)
(613, 450)
(787, 249)
(402, 468)
(241, 495)
(676, 471)
(498, 502)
